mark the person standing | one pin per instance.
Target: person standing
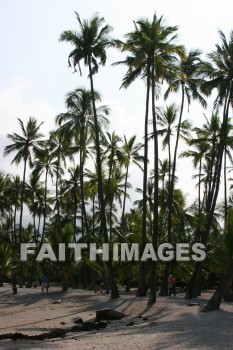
(171, 285)
(44, 283)
(98, 282)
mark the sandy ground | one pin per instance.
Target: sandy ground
(170, 323)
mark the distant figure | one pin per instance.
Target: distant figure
(98, 282)
(44, 283)
(171, 285)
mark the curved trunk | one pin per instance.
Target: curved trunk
(215, 301)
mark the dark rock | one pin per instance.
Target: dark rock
(79, 320)
(130, 324)
(88, 326)
(109, 314)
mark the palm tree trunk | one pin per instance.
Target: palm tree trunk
(171, 190)
(225, 187)
(125, 192)
(164, 289)
(22, 199)
(114, 290)
(215, 301)
(57, 192)
(45, 206)
(153, 279)
(142, 272)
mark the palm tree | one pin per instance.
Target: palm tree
(167, 117)
(59, 148)
(45, 164)
(187, 78)
(77, 123)
(90, 45)
(130, 154)
(220, 74)
(24, 145)
(151, 46)
(112, 153)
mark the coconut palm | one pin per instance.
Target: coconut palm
(24, 146)
(187, 78)
(90, 45)
(220, 74)
(151, 47)
(45, 164)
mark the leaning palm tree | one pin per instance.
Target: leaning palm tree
(90, 45)
(220, 74)
(24, 146)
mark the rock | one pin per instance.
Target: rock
(63, 323)
(109, 314)
(57, 301)
(88, 326)
(130, 324)
(145, 318)
(79, 320)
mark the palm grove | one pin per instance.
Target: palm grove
(90, 167)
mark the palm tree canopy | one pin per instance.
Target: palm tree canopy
(89, 42)
(220, 72)
(150, 42)
(23, 144)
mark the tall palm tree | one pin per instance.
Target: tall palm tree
(187, 78)
(77, 124)
(220, 74)
(152, 47)
(90, 45)
(45, 164)
(24, 146)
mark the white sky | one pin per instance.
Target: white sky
(35, 75)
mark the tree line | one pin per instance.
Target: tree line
(90, 166)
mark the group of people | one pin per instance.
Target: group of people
(44, 280)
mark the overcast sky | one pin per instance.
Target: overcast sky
(35, 76)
